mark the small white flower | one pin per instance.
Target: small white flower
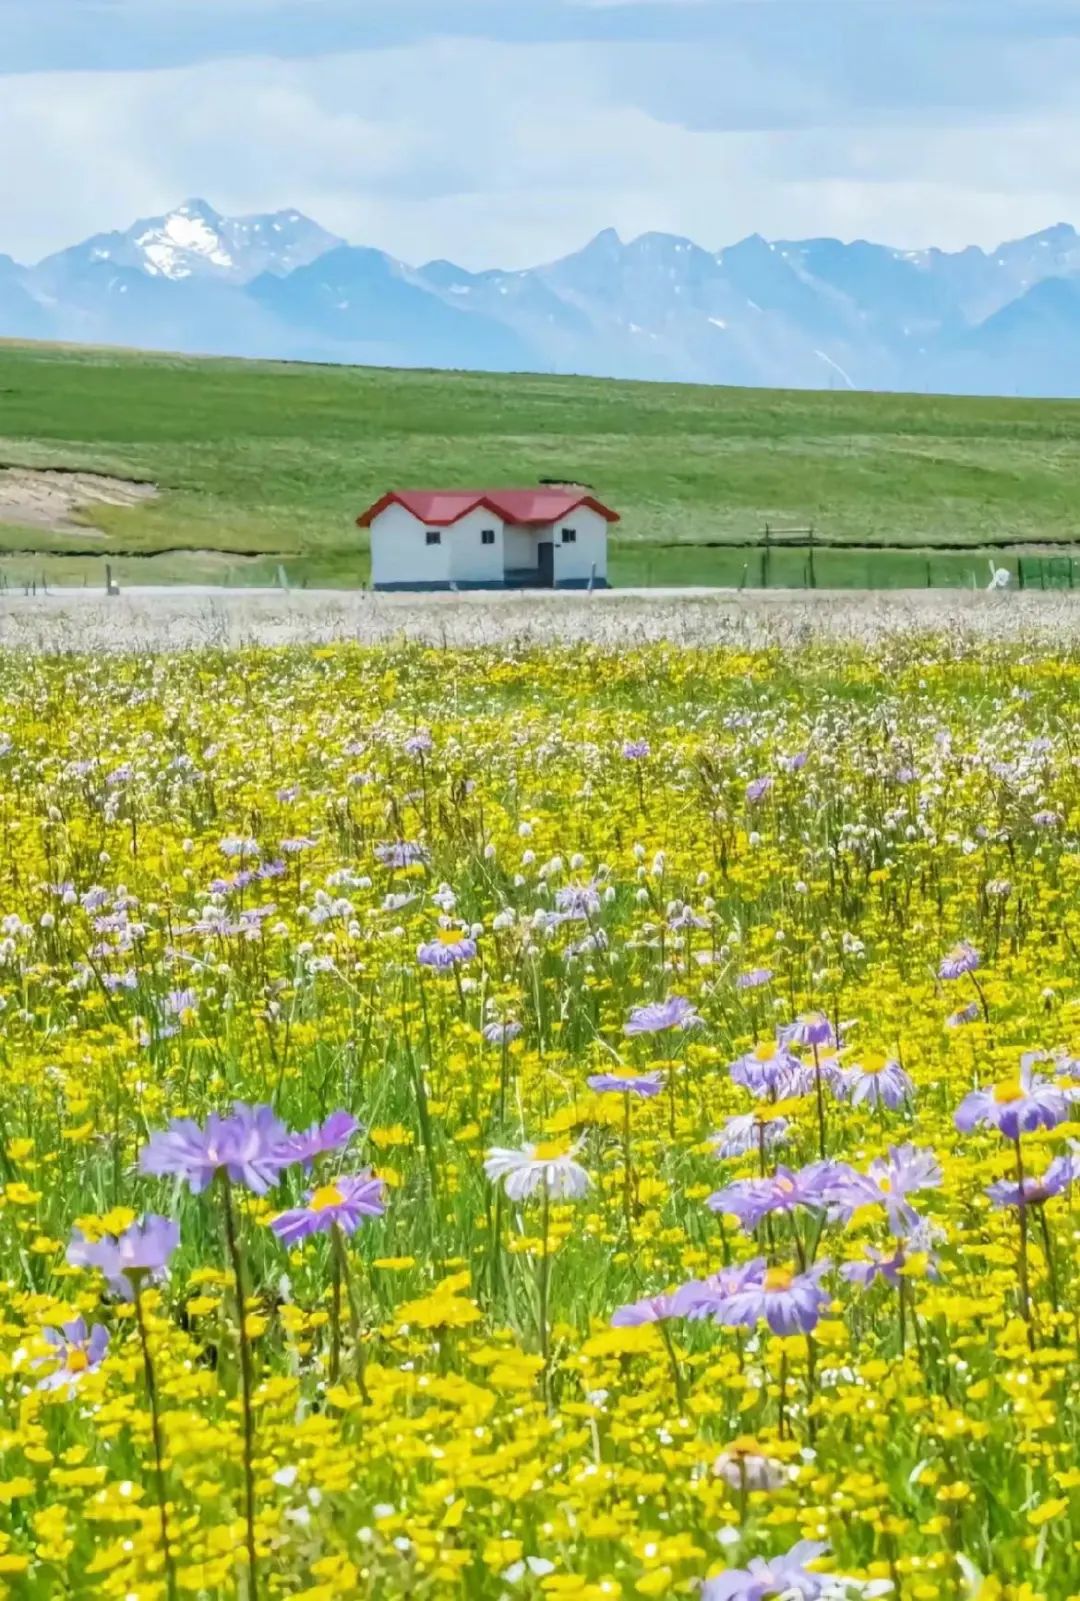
(531, 1168)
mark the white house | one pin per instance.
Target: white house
(551, 537)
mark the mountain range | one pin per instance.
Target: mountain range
(811, 313)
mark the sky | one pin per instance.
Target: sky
(508, 132)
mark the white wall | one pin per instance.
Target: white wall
(576, 561)
(400, 553)
(470, 559)
(520, 546)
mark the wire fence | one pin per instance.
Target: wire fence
(805, 562)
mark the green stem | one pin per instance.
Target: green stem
(247, 1385)
(335, 1306)
(159, 1449)
(628, 1174)
(545, 1281)
(1022, 1258)
(820, 1104)
(354, 1320)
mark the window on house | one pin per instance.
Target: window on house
(434, 536)
(487, 536)
(569, 536)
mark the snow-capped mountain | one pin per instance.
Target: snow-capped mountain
(812, 313)
(195, 241)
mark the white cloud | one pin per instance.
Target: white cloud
(511, 153)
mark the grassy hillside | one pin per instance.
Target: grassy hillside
(266, 463)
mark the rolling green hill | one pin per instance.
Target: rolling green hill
(261, 464)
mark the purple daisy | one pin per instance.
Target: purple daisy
(749, 1132)
(1062, 1173)
(1015, 1106)
(744, 1467)
(887, 1266)
(332, 1135)
(769, 1069)
(963, 958)
(401, 853)
(250, 1146)
(789, 1302)
(888, 1182)
(177, 1002)
(967, 1014)
(448, 951)
(885, 1084)
(766, 1577)
(635, 750)
(644, 1084)
(141, 1252)
(752, 1200)
(702, 1298)
(754, 979)
(77, 1351)
(653, 1309)
(658, 1016)
(809, 1029)
(758, 788)
(500, 1033)
(343, 1204)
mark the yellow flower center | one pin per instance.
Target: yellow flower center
(1010, 1090)
(549, 1151)
(765, 1053)
(778, 1278)
(885, 1183)
(77, 1361)
(744, 1445)
(450, 936)
(785, 1186)
(326, 1196)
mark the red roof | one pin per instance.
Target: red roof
(442, 507)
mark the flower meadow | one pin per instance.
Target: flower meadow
(540, 1124)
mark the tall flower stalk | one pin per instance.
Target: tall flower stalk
(249, 1148)
(128, 1262)
(247, 1382)
(159, 1447)
(552, 1172)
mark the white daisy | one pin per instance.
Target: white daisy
(549, 1166)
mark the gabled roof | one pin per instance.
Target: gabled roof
(442, 507)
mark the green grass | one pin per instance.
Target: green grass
(274, 461)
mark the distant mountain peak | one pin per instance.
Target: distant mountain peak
(194, 240)
(170, 243)
(198, 208)
(606, 240)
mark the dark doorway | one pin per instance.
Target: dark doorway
(545, 560)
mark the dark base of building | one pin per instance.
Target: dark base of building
(427, 586)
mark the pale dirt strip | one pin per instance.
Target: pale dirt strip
(155, 619)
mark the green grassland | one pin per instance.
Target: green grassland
(261, 464)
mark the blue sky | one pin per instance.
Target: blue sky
(509, 131)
